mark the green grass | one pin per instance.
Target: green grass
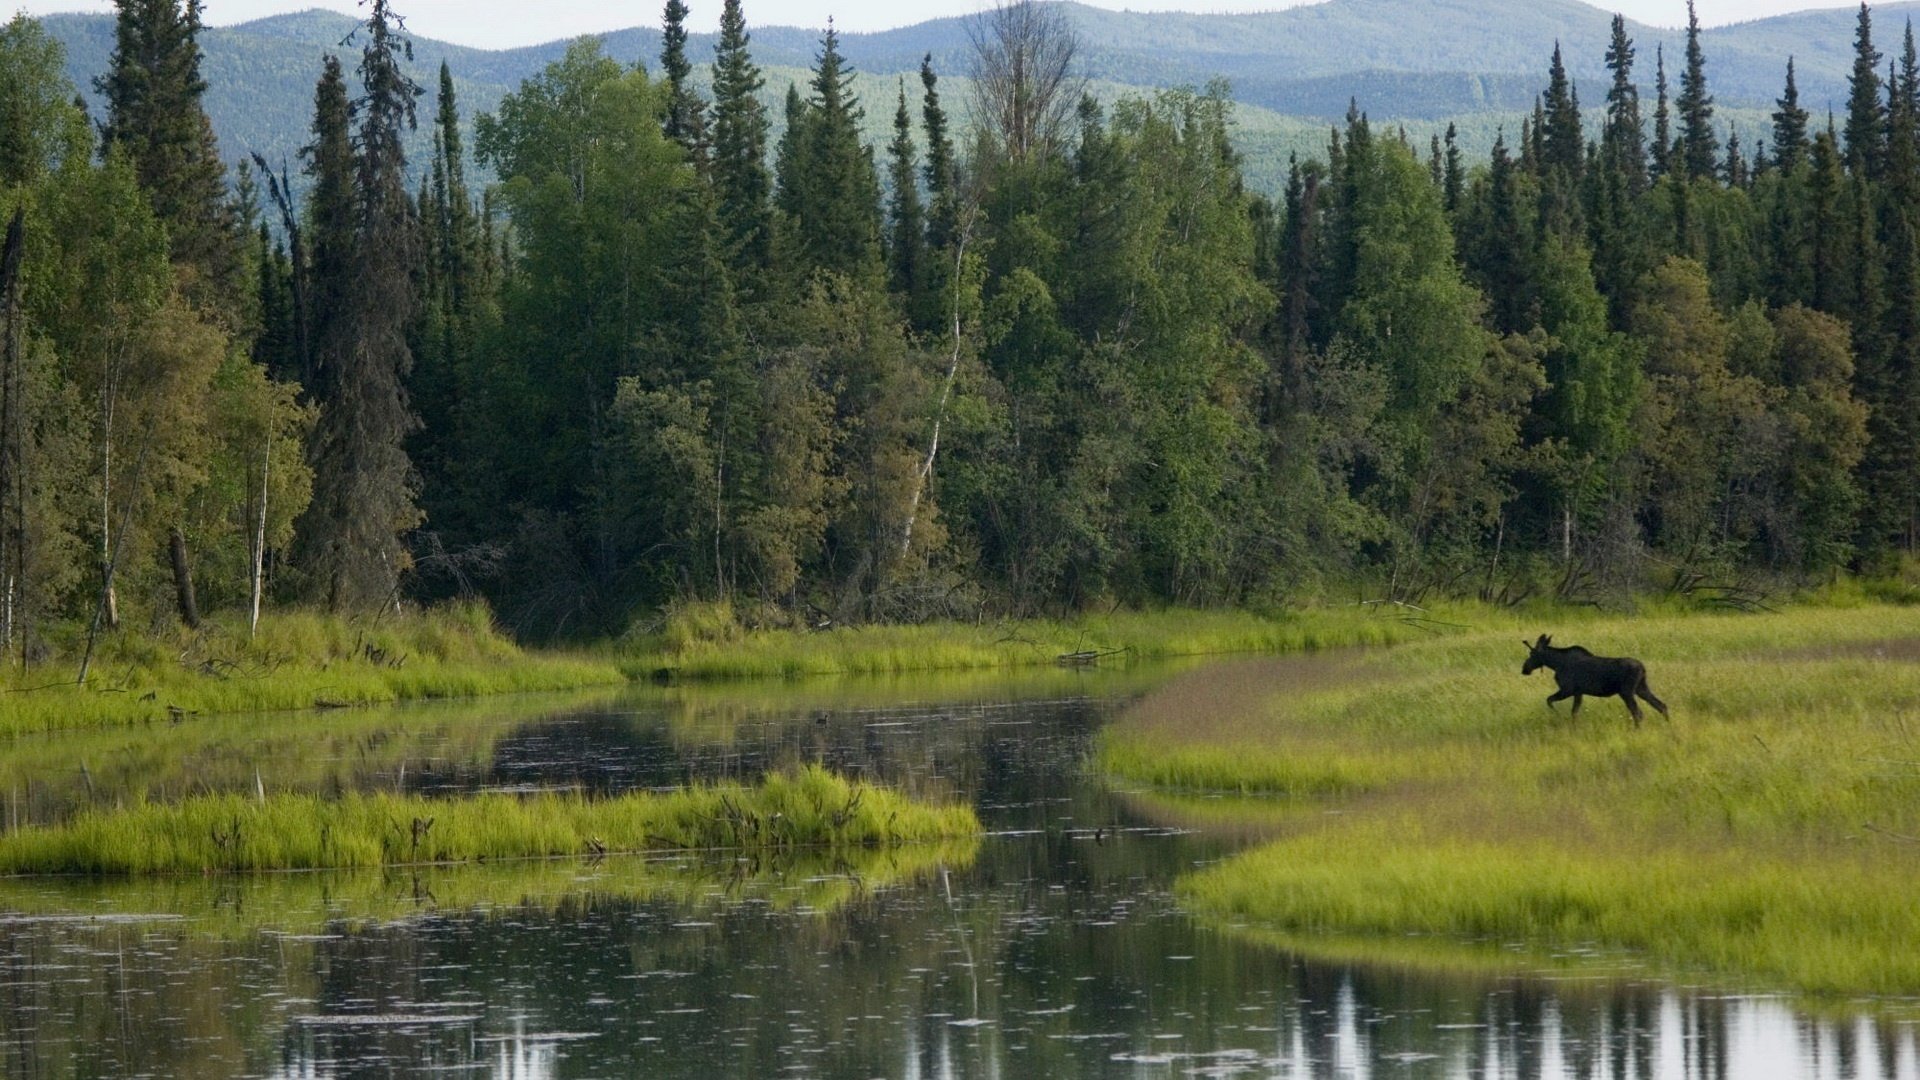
(298, 660)
(808, 807)
(708, 645)
(227, 906)
(1766, 835)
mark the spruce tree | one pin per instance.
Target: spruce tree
(906, 246)
(1500, 259)
(154, 90)
(330, 208)
(363, 500)
(1299, 267)
(1562, 146)
(1789, 126)
(1623, 141)
(1866, 115)
(1734, 169)
(941, 171)
(1700, 147)
(1453, 184)
(685, 121)
(1826, 224)
(1892, 466)
(1662, 116)
(741, 181)
(828, 187)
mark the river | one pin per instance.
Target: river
(1054, 949)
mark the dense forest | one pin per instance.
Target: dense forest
(1063, 358)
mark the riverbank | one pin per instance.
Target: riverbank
(806, 808)
(297, 660)
(1765, 835)
(305, 660)
(714, 647)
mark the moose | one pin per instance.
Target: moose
(1578, 673)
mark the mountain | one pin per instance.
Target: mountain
(1417, 62)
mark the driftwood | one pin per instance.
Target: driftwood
(1087, 656)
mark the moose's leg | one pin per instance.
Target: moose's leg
(1647, 695)
(1560, 695)
(1577, 699)
(1632, 706)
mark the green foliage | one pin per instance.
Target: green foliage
(642, 374)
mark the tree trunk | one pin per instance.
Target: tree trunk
(12, 434)
(260, 540)
(924, 475)
(183, 581)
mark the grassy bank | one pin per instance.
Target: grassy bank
(297, 660)
(807, 808)
(709, 645)
(1767, 834)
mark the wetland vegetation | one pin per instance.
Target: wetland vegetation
(805, 808)
(1764, 835)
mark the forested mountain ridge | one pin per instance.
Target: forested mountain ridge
(1429, 62)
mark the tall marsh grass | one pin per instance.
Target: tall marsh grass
(805, 808)
(1769, 832)
(297, 660)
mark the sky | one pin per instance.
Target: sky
(504, 23)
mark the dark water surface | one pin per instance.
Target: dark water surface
(1054, 949)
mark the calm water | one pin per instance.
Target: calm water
(1054, 950)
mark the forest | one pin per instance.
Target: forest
(1055, 357)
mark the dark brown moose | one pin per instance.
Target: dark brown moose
(1579, 673)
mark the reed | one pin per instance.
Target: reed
(804, 808)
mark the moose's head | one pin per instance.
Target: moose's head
(1536, 654)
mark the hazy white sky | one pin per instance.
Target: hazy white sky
(501, 23)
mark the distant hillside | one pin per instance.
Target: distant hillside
(1419, 62)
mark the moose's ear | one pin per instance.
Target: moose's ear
(1546, 639)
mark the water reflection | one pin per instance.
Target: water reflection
(1054, 951)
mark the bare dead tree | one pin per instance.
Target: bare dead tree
(1025, 85)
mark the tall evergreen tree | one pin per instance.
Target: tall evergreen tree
(1866, 114)
(906, 238)
(1662, 116)
(330, 208)
(828, 187)
(1826, 224)
(1699, 145)
(1623, 141)
(1562, 145)
(685, 121)
(941, 170)
(154, 90)
(1789, 126)
(740, 177)
(1453, 181)
(363, 482)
